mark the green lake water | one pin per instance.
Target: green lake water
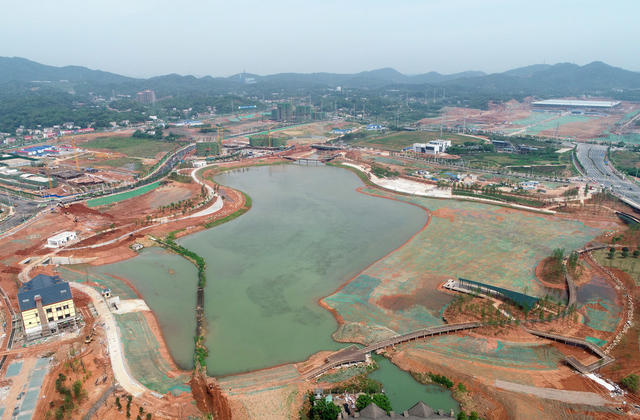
(168, 284)
(307, 233)
(404, 391)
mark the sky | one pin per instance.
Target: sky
(145, 38)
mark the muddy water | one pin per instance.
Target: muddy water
(168, 284)
(404, 391)
(308, 232)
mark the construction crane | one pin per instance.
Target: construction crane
(269, 135)
(75, 153)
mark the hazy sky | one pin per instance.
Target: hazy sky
(219, 38)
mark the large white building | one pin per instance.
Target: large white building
(575, 104)
(58, 240)
(434, 147)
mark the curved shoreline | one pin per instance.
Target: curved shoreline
(324, 305)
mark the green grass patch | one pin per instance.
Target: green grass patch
(130, 146)
(234, 215)
(626, 161)
(399, 140)
(102, 201)
(629, 264)
(538, 160)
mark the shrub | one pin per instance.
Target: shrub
(324, 410)
(631, 382)
(441, 379)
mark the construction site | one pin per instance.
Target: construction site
(182, 311)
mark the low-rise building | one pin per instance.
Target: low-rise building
(434, 147)
(60, 239)
(46, 305)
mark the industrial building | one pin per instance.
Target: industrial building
(58, 240)
(434, 147)
(574, 104)
(46, 297)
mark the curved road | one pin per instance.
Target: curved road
(593, 158)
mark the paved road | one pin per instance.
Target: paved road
(593, 159)
(118, 363)
(23, 209)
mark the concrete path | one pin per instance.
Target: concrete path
(118, 362)
(572, 397)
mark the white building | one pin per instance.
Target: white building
(529, 185)
(58, 240)
(433, 147)
(199, 163)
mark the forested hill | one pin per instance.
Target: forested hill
(562, 78)
(34, 94)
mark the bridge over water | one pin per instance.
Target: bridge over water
(354, 355)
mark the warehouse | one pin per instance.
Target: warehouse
(573, 104)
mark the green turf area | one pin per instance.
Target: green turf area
(206, 148)
(626, 161)
(130, 146)
(629, 265)
(123, 195)
(400, 140)
(562, 161)
(261, 140)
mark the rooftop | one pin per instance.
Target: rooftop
(419, 411)
(577, 103)
(51, 289)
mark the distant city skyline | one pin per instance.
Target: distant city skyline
(154, 37)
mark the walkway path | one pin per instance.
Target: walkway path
(571, 397)
(118, 363)
(354, 354)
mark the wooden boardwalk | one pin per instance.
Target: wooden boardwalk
(605, 359)
(353, 354)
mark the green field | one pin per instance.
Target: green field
(102, 201)
(516, 161)
(130, 146)
(626, 161)
(399, 140)
(629, 265)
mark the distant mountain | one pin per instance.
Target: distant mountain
(538, 79)
(435, 77)
(558, 79)
(16, 69)
(527, 71)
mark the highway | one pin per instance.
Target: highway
(598, 169)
